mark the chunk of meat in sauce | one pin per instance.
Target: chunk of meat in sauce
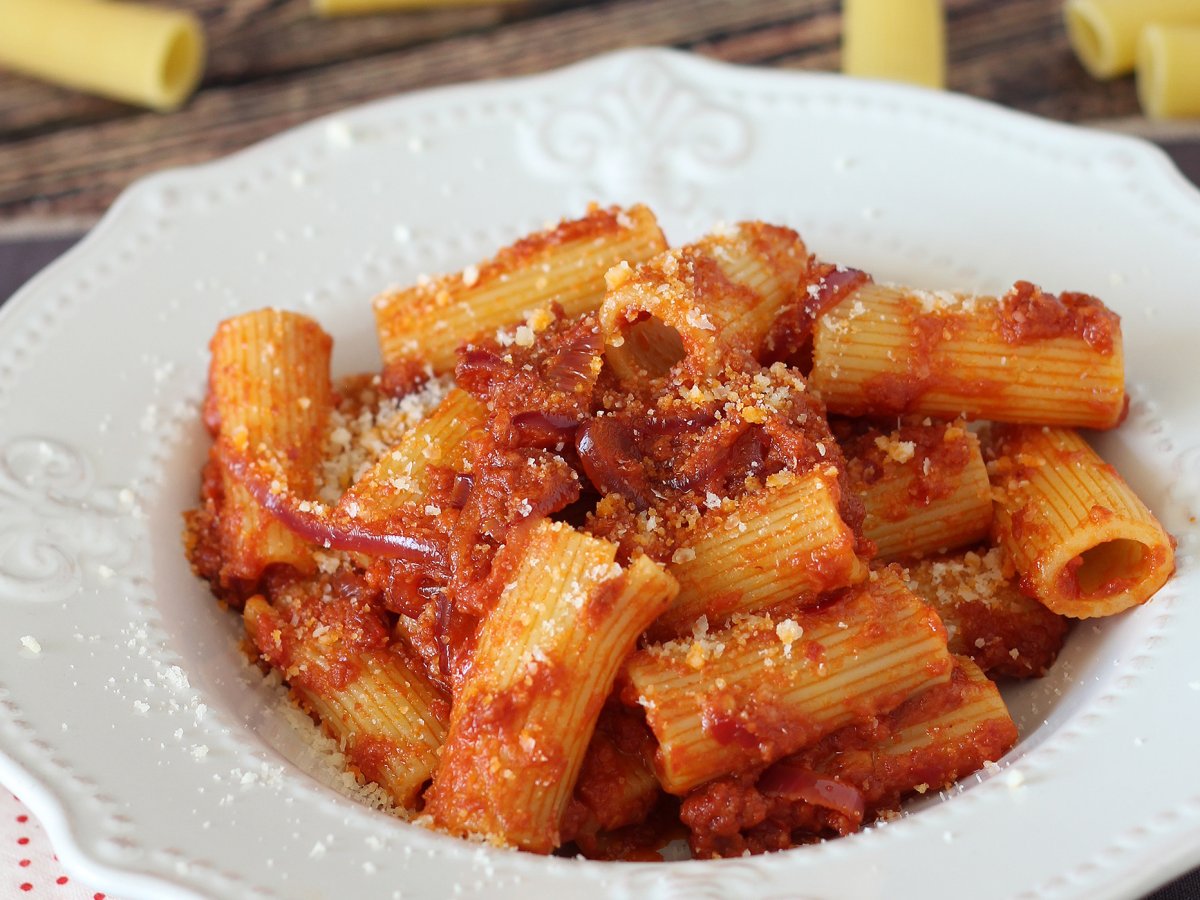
(609, 453)
(732, 817)
(335, 619)
(1027, 313)
(540, 392)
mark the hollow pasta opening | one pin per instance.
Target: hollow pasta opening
(653, 346)
(1110, 567)
(179, 64)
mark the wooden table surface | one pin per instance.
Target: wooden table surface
(64, 156)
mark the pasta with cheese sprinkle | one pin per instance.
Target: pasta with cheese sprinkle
(768, 685)
(546, 659)
(624, 538)
(925, 488)
(423, 326)
(1028, 356)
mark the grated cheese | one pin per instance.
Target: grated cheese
(896, 450)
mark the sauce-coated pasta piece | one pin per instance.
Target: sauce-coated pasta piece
(545, 662)
(727, 701)
(1028, 356)
(1084, 544)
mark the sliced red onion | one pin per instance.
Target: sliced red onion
(609, 456)
(794, 782)
(323, 530)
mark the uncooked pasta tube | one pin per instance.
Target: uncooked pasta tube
(1104, 33)
(900, 40)
(1168, 75)
(140, 54)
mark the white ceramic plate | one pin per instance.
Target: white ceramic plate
(158, 765)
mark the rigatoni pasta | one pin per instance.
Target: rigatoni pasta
(900, 40)
(1082, 541)
(924, 486)
(270, 398)
(402, 476)
(546, 660)
(768, 685)
(785, 543)
(926, 744)
(422, 326)
(133, 52)
(986, 616)
(697, 305)
(614, 568)
(852, 776)
(371, 697)
(617, 785)
(1104, 33)
(1168, 70)
(1028, 356)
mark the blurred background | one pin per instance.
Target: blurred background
(64, 155)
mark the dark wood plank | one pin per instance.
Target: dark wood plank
(254, 39)
(79, 167)
(1017, 53)
(273, 65)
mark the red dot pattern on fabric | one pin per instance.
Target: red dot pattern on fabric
(28, 863)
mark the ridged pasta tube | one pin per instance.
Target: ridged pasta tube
(1104, 33)
(141, 54)
(270, 398)
(768, 685)
(546, 660)
(1084, 543)
(925, 488)
(690, 309)
(1028, 356)
(899, 40)
(1168, 71)
(785, 542)
(424, 325)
